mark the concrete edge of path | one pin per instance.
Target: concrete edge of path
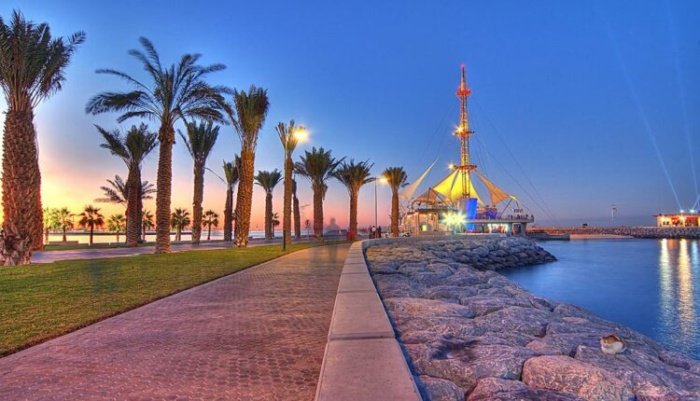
(363, 360)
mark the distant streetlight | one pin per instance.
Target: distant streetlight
(382, 180)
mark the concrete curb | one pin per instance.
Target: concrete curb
(363, 359)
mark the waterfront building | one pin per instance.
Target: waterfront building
(682, 219)
(454, 204)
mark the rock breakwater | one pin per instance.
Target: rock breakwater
(471, 334)
(637, 232)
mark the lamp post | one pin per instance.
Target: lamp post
(382, 180)
(290, 136)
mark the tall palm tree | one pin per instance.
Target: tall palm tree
(289, 137)
(211, 219)
(268, 180)
(200, 141)
(354, 176)
(32, 66)
(295, 206)
(117, 223)
(231, 171)
(172, 94)
(132, 148)
(396, 178)
(250, 112)
(91, 218)
(117, 191)
(65, 220)
(318, 166)
(179, 220)
(146, 222)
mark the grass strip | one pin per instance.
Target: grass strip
(43, 301)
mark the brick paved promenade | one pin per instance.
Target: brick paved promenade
(255, 335)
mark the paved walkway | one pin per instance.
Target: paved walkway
(255, 335)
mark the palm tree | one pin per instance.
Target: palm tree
(91, 218)
(179, 220)
(275, 221)
(289, 136)
(354, 176)
(295, 206)
(250, 112)
(132, 148)
(396, 178)
(146, 222)
(65, 220)
(117, 223)
(50, 222)
(318, 166)
(200, 141)
(173, 94)
(117, 191)
(231, 171)
(210, 219)
(32, 66)
(268, 180)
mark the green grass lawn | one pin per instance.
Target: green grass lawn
(39, 302)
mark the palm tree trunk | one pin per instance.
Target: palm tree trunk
(197, 202)
(166, 136)
(46, 235)
(117, 237)
(64, 234)
(21, 187)
(353, 212)
(92, 231)
(139, 207)
(268, 216)
(228, 215)
(394, 212)
(209, 233)
(318, 210)
(287, 205)
(133, 223)
(244, 200)
(297, 216)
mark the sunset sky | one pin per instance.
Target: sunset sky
(568, 98)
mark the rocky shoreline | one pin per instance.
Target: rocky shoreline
(471, 334)
(637, 232)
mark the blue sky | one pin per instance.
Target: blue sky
(553, 93)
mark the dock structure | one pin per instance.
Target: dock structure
(454, 204)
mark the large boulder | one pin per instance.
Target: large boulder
(496, 389)
(568, 375)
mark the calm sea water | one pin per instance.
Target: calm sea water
(652, 286)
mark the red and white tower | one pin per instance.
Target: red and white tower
(464, 133)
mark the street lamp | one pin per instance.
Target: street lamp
(382, 180)
(290, 135)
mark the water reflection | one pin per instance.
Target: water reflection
(652, 286)
(677, 295)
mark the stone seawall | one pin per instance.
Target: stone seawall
(471, 334)
(638, 232)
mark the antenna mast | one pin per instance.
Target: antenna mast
(464, 133)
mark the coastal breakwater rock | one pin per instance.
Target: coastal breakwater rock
(637, 232)
(471, 334)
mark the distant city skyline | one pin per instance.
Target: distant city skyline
(576, 106)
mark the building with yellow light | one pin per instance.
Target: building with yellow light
(682, 219)
(454, 204)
